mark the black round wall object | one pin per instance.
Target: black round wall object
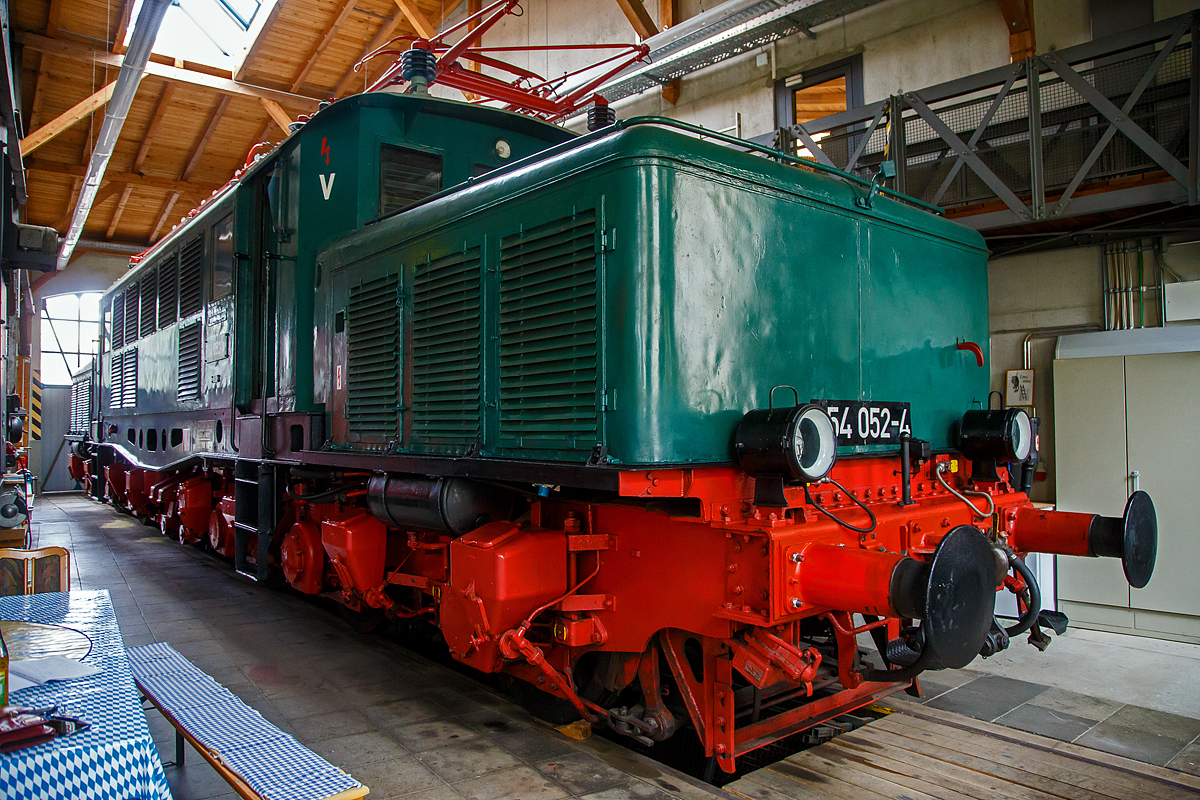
(798, 443)
(1004, 435)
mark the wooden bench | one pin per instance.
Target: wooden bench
(257, 759)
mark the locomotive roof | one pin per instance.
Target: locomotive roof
(647, 137)
(420, 104)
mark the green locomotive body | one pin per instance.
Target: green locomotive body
(630, 295)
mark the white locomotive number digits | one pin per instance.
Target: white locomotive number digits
(859, 422)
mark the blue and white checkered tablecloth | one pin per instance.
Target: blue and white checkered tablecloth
(116, 758)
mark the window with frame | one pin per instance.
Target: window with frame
(222, 276)
(406, 177)
(816, 93)
(70, 329)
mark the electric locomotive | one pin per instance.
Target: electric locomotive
(655, 423)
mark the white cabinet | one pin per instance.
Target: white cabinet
(1116, 416)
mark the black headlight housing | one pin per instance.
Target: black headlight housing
(991, 436)
(785, 444)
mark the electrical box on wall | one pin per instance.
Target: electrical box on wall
(1183, 301)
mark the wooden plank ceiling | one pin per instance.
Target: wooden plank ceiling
(190, 126)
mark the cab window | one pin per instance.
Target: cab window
(406, 177)
(222, 278)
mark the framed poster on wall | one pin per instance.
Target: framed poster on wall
(1018, 387)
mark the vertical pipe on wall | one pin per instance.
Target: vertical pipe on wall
(1105, 291)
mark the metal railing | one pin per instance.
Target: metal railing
(1104, 125)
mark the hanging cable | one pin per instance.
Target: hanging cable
(843, 523)
(945, 467)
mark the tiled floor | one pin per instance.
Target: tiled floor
(1144, 734)
(399, 723)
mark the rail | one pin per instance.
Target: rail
(1101, 126)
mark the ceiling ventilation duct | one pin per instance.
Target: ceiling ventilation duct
(145, 31)
(730, 29)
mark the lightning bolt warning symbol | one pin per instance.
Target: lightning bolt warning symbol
(325, 149)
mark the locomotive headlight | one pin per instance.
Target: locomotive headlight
(1004, 435)
(797, 443)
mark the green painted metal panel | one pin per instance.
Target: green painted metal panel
(548, 337)
(702, 276)
(446, 351)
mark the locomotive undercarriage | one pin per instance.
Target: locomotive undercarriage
(676, 602)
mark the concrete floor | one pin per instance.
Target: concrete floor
(397, 722)
(408, 727)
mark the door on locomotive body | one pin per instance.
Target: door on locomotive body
(276, 257)
(367, 307)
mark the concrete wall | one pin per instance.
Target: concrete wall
(905, 45)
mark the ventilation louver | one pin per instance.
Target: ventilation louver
(116, 372)
(131, 313)
(168, 290)
(191, 262)
(446, 350)
(118, 320)
(373, 363)
(189, 362)
(149, 302)
(548, 326)
(129, 379)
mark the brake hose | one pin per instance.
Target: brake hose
(842, 522)
(1034, 607)
(945, 467)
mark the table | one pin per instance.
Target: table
(116, 758)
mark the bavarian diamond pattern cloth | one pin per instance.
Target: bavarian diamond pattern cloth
(116, 757)
(270, 761)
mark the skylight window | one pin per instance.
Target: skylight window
(212, 32)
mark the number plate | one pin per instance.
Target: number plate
(860, 422)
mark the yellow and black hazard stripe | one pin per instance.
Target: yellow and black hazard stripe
(35, 406)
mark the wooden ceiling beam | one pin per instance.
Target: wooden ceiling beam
(209, 129)
(668, 16)
(1018, 19)
(43, 73)
(123, 21)
(386, 32)
(418, 20)
(226, 86)
(107, 191)
(638, 17)
(172, 199)
(277, 114)
(120, 209)
(136, 179)
(81, 110)
(327, 40)
(258, 34)
(160, 110)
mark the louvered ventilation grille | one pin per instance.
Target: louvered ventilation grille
(189, 362)
(149, 302)
(116, 372)
(129, 379)
(168, 290)
(118, 320)
(191, 259)
(446, 350)
(548, 336)
(131, 313)
(373, 366)
(81, 392)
